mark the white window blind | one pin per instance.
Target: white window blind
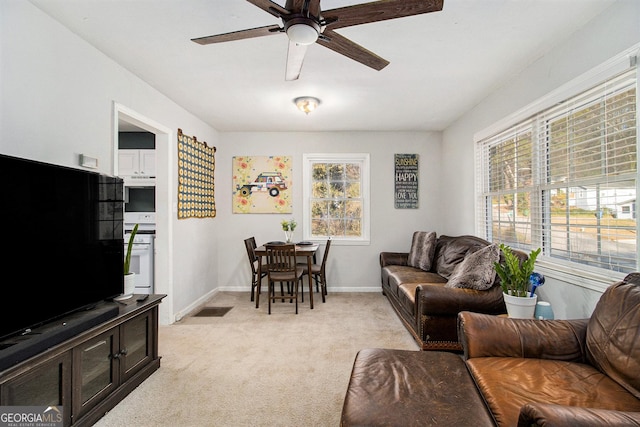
(508, 186)
(565, 179)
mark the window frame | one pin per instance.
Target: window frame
(308, 159)
(594, 278)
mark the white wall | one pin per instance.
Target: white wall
(57, 97)
(615, 30)
(350, 268)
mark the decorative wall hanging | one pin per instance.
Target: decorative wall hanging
(262, 184)
(196, 165)
(406, 178)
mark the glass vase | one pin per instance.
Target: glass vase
(288, 236)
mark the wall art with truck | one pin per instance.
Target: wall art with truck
(262, 184)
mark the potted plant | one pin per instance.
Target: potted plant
(515, 281)
(129, 276)
(288, 227)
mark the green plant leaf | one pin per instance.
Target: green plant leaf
(127, 259)
(514, 275)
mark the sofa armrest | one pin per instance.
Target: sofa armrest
(483, 335)
(439, 300)
(546, 414)
(393, 258)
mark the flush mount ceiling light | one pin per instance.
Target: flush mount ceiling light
(306, 104)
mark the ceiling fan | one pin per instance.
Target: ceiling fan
(305, 24)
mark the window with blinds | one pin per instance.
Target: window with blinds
(565, 179)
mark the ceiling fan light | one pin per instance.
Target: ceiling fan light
(302, 34)
(306, 104)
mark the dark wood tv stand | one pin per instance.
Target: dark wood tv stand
(91, 372)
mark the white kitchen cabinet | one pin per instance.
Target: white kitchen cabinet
(137, 163)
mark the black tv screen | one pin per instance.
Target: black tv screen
(63, 234)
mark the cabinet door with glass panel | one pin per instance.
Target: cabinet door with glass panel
(96, 370)
(136, 344)
(45, 384)
(110, 359)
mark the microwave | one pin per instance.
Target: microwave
(139, 199)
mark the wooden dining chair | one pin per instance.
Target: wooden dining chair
(282, 267)
(250, 244)
(318, 271)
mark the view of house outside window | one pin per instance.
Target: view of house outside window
(336, 193)
(566, 179)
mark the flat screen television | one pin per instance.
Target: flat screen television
(63, 234)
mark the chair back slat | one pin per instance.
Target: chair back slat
(281, 258)
(281, 266)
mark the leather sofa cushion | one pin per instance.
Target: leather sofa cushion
(395, 275)
(612, 334)
(508, 383)
(411, 388)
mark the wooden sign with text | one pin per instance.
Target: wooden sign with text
(406, 179)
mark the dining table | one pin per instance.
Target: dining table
(303, 249)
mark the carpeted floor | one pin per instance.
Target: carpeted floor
(248, 368)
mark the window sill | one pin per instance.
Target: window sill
(579, 276)
(339, 242)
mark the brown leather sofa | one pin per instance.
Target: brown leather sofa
(427, 308)
(584, 372)
(522, 372)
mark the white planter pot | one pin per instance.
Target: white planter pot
(129, 284)
(520, 307)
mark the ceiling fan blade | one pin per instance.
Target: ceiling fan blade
(239, 35)
(295, 57)
(378, 11)
(346, 47)
(270, 7)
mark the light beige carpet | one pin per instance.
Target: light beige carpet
(249, 368)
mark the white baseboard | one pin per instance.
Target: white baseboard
(243, 288)
(196, 304)
(203, 299)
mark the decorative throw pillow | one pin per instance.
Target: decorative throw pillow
(423, 247)
(476, 271)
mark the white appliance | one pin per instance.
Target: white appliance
(140, 208)
(139, 200)
(141, 259)
(146, 221)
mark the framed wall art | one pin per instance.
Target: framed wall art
(262, 184)
(406, 181)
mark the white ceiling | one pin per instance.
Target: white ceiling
(442, 63)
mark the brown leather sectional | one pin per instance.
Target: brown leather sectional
(522, 372)
(427, 308)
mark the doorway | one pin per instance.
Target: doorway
(127, 120)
